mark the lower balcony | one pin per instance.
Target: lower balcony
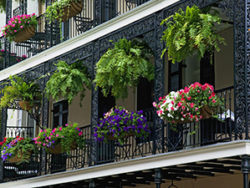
(163, 139)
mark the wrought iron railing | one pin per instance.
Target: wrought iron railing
(183, 136)
(49, 34)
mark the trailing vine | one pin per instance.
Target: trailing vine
(122, 66)
(190, 32)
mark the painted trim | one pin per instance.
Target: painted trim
(216, 151)
(88, 36)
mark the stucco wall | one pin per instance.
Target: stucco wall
(81, 115)
(224, 62)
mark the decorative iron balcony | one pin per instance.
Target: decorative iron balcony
(48, 34)
(207, 132)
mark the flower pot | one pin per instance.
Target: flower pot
(19, 157)
(25, 34)
(25, 105)
(72, 10)
(57, 149)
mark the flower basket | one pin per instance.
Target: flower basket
(61, 139)
(20, 157)
(118, 124)
(25, 105)
(127, 135)
(17, 150)
(25, 34)
(190, 104)
(57, 149)
(20, 28)
(72, 10)
(206, 112)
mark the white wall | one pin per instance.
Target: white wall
(32, 7)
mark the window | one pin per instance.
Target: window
(60, 113)
(60, 118)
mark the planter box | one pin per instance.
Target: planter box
(57, 149)
(72, 10)
(18, 158)
(25, 34)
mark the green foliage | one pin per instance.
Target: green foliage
(18, 89)
(123, 66)
(56, 10)
(190, 31)
(68, 81)
(67, 136)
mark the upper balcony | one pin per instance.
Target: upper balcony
(47, 34)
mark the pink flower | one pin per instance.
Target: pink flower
(21, 26)
(213, 101)
(41, 131)
(15, 31)
(183, 107)
(66, 125)
(189, 98)
(191, 105)
(179, 104)
(154, 104)
(44, 144)
(57, 135)
(80, 134)
(60, 128)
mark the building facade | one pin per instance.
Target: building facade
(216, 155)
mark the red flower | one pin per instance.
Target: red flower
(191, 105)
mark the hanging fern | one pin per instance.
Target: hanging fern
(190, 31)
(68, 81)
(122, 66)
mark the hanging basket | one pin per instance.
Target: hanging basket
(72, 10)
(25, 34)
(57, 149)
(205, 111)
(25, 105)
(111, 138)
(19, 157)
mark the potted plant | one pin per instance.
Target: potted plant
(20, 28)
(190, 32)
(27, 94)
(192, 103)
(123, 66)
(62, 10)
(60, 139)
(118, 123)
(68, 81)
(17, 150)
